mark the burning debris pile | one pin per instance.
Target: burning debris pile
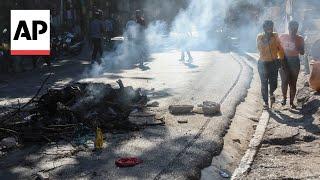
(69, 111)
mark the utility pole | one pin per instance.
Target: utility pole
(289, 13)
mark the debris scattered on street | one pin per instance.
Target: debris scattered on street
(98, 144)
(63, 113)
(210, 108)
(236, 141)
(207, 108)
(181, 109)
(254, 119)
(8, 143)
(128, 162)
(224, 174)
(198, 110)
(182, 121)
(41, 176)
(160, 117)
(153, 104)
(146, 119)
(142, 114)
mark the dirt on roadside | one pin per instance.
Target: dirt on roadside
(290, 148)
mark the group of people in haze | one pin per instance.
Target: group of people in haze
(99, 28)
(279, 54)
(134, 33)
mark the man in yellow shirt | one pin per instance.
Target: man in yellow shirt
(271, 54)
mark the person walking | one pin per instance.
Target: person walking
(293, 45)
(186, 36)
(271, 55)
(140, 39)
(97, 30)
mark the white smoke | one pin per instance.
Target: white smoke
(198, 26)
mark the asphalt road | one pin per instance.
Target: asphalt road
(173, 151)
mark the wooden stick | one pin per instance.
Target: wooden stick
(30, 101)
(67, 125)
(9, 130)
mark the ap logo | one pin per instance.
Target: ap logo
(30, 32)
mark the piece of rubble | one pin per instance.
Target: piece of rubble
(182, 121)
(253, 118)
(160, 117)
(141, 121)
(146, 119)
(153, 104)
(142, 114)
(198, 110)
(200, 105)
(75, 109)
(61, 107)
(210, 108)
(41, 176)
(224, 174)
(181, 109)
(8, 143)
(236, 141)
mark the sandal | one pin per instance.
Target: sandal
(292, 106)
(284, 102)
(272, 100)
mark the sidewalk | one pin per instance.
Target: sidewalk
(291, 144)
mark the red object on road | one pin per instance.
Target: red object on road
(128, 162)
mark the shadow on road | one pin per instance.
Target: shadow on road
(162, 157)
(306, 121)
(191, 66)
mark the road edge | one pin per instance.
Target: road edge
(255, 143)
(242, 127)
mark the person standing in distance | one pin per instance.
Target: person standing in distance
(97, 30)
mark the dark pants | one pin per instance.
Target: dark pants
(268, 72)
(97, 48)
(289, 77)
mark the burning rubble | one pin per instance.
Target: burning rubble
(74, 109)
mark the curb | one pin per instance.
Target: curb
(251, 57)
(255, 143)
(247, 159)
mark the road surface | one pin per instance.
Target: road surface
(173, 151)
